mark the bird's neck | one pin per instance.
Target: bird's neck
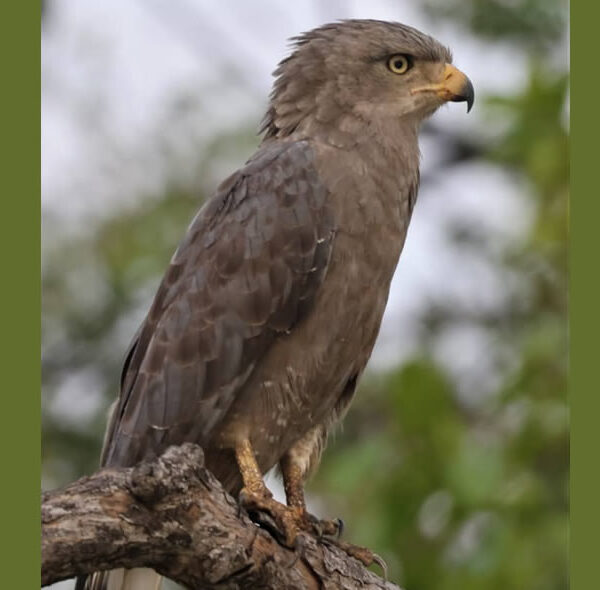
(379, 153)
(375, 180)
(389, 141)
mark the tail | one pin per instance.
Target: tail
(121, 579)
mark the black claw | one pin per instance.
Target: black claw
(379, 561)
(267, 522)
(340, 530)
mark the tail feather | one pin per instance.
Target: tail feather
(121, 579)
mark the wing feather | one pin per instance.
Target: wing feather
(247, 271)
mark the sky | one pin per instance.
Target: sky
(114, 68)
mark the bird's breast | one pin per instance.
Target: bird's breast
(299, 382)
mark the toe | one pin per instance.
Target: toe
(362, 554)
(322, 528)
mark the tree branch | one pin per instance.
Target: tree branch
(173, 515)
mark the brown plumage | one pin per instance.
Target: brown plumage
(270, 308)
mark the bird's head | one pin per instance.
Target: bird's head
(373, 71)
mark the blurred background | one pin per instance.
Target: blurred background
(453, 461)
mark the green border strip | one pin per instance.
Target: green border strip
(584, 305)
(20, 291)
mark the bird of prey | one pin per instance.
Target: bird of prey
(270, 307)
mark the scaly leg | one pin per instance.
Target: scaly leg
(293, 483)
(295, 465)
(290, 520)
(257, 499)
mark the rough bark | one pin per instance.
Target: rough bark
(173, 515)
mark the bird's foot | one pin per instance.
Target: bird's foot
(285, 523)
(363, 554)
(280, 520)
(322, 528)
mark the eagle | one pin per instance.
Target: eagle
(269, 310)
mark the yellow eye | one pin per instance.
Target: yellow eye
(398, 64)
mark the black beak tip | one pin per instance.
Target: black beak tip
(467, 94)
(470, 99)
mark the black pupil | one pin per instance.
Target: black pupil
(399, 64)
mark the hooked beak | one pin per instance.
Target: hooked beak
(454, 86)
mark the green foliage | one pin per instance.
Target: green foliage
(538, 24)
(455, 498)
